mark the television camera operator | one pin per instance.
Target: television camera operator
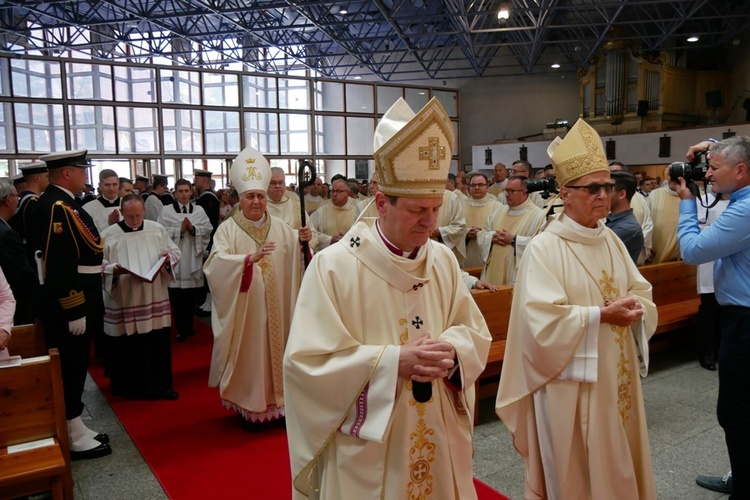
(727, 242)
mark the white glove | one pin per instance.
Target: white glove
(77, 327)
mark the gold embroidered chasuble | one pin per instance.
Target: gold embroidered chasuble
(452, 224)
(477, 213)
(665, 212)
(342, 333)
(502, 260)
(250, 328)
(579, 439)
(329, 220)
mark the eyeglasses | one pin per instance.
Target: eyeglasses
(511, 191)
(477, 185)
(339, 191)
(595, 189)
(278, 183)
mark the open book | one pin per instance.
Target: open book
(150, 275)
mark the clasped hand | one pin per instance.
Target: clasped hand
(623, 311)
(426, 359)
(186, 225)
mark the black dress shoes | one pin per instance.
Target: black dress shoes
(100, 451)
(102, 438)
(708, 362)
(717, 483)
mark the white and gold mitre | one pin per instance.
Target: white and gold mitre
(579, 153)
(250, 170)
(413, 152)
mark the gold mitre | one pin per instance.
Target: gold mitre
(580, 153)
(413, 152)
(250, 170)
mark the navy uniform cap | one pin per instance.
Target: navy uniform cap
(34, 167)
(75, 158)
(202, 173)
(18, 179)
(141, 178)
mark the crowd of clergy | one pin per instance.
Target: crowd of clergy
(332, 306)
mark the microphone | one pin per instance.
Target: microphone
(422, 391)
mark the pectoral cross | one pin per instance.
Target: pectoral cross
(433, 153)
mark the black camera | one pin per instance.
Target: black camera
(691, 172)
(547, 186)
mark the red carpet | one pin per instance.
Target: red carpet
(196, 448)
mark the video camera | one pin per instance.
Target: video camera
(691, 172)
(547, 185)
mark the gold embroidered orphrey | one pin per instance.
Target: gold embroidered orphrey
(251, 172)
(433, 153)
(609, 292)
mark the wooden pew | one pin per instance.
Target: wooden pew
(27, 341)
(674, 293)
(31, 398)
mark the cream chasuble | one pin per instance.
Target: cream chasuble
(100, 211)
(251, 327)
(639, 204)
(189, 272)
(664, 205)
(502, 260)
(355, 431)
(451, 224)
(570, 392)
(460, 194)
(312, 203)
(330, 220)
(498, 189)
(288, 210)
(477, 213)
(130, 304)
(367, 208)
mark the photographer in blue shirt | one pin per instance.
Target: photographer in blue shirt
(727, 242)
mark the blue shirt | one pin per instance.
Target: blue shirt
(626, 227)
(727, 241)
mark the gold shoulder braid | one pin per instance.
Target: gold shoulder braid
(93, 242)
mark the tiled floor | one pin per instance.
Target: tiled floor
(680, 399)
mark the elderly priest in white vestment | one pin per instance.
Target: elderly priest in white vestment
(570, 392)
(379, 370)
(254, 270)
(137, 316)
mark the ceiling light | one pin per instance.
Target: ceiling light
(343, 12)
(504, 12)
(693, 39)
(555, 65)
(422, 93)
(357, 77)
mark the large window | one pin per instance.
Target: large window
(146, 119)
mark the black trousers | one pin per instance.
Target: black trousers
(75, 349)
(733, 408)
(142, 364)
(183, 307)
(707, 330)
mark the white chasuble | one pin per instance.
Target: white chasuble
(642, 213)
(581, 435)
(664, 205)
(132, 305)
(477, 213)
(451, 224)
(251, 312)
(100, 209)
(329, 220)
(189, 272)
(355, 430)
(502, 260)
(288, 210)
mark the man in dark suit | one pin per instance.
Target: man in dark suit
(14, 260)
(36, 178)
(72, 299)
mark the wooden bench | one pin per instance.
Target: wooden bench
(27, 341)
(674, 293)
(31, 399)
